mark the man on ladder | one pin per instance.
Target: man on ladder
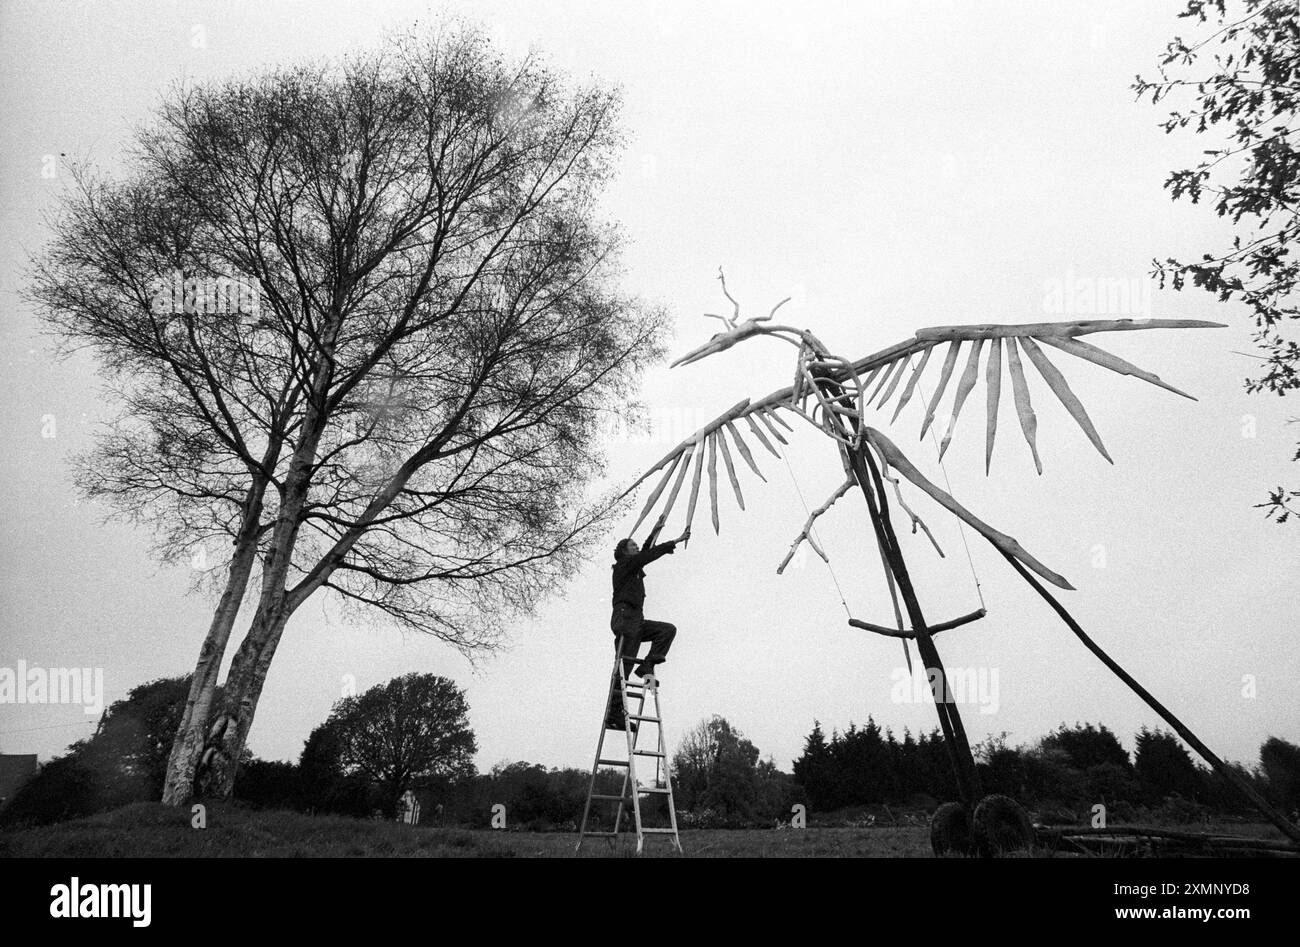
(628, 620)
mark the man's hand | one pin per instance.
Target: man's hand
(685, 537)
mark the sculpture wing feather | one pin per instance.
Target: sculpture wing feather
(1010, 346)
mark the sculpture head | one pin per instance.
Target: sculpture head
(722, 341)
(737, 330)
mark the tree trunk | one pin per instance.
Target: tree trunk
(187, 748)
(226, 738)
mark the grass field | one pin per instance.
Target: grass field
(154, 830)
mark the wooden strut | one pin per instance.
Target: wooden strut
(911, 633)
(1288, 829)
(869, 480)
(955, 739)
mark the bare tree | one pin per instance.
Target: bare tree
(363, 326)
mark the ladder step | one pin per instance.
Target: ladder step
(639, 717)
(611, 762)
(656, 832)
(648, 753)
(657, 792)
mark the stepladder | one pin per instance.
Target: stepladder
(633, 709)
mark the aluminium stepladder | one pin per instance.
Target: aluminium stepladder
(632, 790)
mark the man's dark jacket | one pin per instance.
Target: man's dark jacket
(629, 580)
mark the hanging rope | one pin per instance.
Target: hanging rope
(979, 591)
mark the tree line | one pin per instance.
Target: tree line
(413, 734)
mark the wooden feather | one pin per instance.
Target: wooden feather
(911, 383)
(889, 371)
(672, 494)
(733, 412)
(1041, 330)
(767, 422)
(1103, 358)
(744, 450)
(762, 438)
(1019, 388)
(993, 379)
(695, 489)
(770, 412)
(896, 459)
(659, 488)
(713, 480)
(953, 348)
(1056, 381)
(900, 368)
(964, 387)
(731, 470)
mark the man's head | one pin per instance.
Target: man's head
(626, 547)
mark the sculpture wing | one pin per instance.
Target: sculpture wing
(882, 374)
(719, 436)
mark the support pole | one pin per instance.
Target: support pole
(955, 739)
(1288, 829)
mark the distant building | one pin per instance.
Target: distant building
(15, 770)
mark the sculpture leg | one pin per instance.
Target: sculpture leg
(955, 739)
(1287, 828)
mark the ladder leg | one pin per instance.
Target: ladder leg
(668, 774)
(595, 766)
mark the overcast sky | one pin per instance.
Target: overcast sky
(890, 166)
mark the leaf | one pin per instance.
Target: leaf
(1056, 381)
(1028, 422)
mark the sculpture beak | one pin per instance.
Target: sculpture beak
(719, 343)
